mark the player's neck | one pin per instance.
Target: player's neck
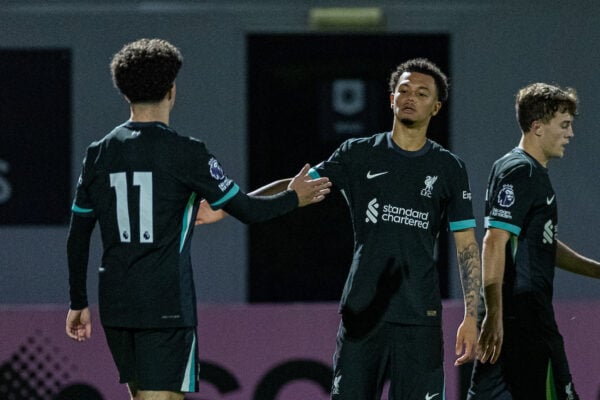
(528, 144)
(150, 112)
(409, 138)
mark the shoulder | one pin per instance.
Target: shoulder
(514, 165)
(189, 141)
(365, 143)
(182, 144)
(446, 156)
(96, 146)
(169, 133)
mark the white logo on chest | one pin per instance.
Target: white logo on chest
(429, 181)
(549, 232)
(371, 176)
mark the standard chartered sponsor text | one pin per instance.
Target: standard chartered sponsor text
(405, 216)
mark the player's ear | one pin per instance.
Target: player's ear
(392, 100)
(536, 127)
(436, 108)
(171, 92)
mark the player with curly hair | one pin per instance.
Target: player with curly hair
(143, 183)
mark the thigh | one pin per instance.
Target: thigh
(487, 383)
(360, 365)
(559, 374)
(525, 359)
(153, 395)
(417, 363)
(121, 343)
(156, 359)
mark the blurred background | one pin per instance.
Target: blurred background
(270, 85)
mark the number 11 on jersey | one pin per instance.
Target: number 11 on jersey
(143, 180)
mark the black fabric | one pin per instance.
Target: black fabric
(362, 365)
(78, 244)
(251, 209)
(143, 183)
(155, 359)
(399, 202)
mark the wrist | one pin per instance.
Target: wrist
(291, 192)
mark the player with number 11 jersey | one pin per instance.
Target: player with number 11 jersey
(137, 181)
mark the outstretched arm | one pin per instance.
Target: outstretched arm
(207, 215)
(570, 260)
(492, 328)
(308, 191)
(470, 275)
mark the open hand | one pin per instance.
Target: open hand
(309, 190)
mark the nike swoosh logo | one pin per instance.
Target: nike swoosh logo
(428, 397)
(371, 176)
(550, 200)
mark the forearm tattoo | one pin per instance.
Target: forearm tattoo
(469, 265)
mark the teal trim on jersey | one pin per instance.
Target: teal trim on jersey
(550, 386)
(77, 209)
(187, 218)
(505, 226)
(444, 392)
(313, 173)
(232, 192)
(460, 225)
(189, 378)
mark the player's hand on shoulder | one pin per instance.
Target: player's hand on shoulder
(309, 190)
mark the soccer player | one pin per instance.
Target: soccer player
(520, 351)
(143, 183)
(402, 189)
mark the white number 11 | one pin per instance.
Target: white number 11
(118, 181)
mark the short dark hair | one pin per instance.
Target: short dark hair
(540, 101)
(424, 66)
(146, 69)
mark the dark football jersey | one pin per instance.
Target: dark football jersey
(398, 203)
(143, 183)
(520, 199)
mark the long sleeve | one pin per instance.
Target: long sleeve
(78, 245)
(251, 209)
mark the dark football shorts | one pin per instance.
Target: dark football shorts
(410, 356)
(532, 365)
(156, 359)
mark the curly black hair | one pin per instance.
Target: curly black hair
(423, 66)
(540, 101)
(146, 69)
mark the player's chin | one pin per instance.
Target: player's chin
(407, 121)
(557, 153)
